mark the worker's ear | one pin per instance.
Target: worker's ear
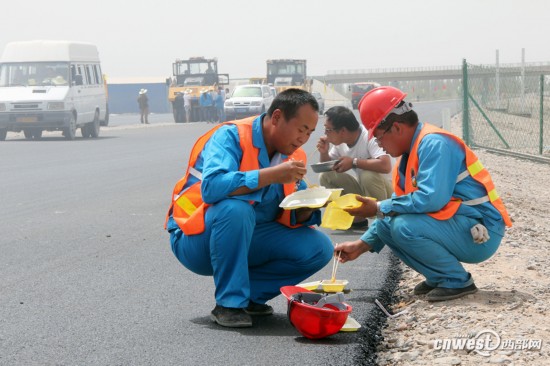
(397, 128)
(276, 116)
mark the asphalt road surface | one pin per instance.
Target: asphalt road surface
(88, 277)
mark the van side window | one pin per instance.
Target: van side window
(96, 75)
(100, 75)
(87, 73)
(79, 80)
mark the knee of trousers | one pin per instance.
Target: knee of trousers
(320, 251)
(328, 179)
(401, 230)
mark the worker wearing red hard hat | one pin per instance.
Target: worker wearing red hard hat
(445, 210)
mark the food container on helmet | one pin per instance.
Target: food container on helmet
(312, 321)
(334, 285)
(351, 325)
(314, 285)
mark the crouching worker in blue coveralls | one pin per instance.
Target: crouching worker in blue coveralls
(444, 210)
(225, 219)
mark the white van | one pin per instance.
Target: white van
(52, 86)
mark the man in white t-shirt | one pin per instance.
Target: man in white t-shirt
(347, 141)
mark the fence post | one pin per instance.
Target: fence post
(541, 116)
(465, 104)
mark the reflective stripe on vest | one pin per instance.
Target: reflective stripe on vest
(187, 207)
(474, 169)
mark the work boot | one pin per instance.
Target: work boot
(231, 317)
(254, 308)
(442, 293)
(422, 288)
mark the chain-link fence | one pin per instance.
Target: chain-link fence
(506, 109)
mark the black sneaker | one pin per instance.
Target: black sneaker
(360, 225)
(422, 288)
(254, 308)
(231, 317)
(442, 293)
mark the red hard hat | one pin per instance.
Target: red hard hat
(377, 104)
(311, 316)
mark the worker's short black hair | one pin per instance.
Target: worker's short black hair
(290, 100)
(342, 117)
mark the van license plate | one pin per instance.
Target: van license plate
(27, 119)
(241, 110)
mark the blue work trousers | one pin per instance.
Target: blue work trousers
(436, 248)
(250, 261)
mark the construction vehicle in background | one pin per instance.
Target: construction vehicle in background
(288, 73)
(359, 89)
(193, 76)
(257, 81)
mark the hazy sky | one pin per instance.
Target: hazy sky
(141, 38)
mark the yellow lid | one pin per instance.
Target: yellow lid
(335, 218)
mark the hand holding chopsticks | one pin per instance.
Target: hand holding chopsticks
(335, 266)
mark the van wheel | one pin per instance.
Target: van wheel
(3, 133)
(105, 122)
(85, 131)
(70, 131)
(93, 127)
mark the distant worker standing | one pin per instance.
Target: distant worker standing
(219, 103)
(143, 103)
(179, 109)
(205, 103)
(187, 104)
(445, 210)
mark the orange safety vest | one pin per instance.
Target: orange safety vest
(187, 207)
(474, 168)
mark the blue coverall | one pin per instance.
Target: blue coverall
(205, 103)
(249, 254)
(434, 247)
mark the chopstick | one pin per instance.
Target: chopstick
(335, 266)
(308, 158)
(311, 153)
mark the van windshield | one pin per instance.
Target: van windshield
(34, 74)
(248, 92)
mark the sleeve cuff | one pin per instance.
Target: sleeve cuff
(386, 206)
(251, 179)
(376, 244)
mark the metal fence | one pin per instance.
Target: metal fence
(507, 109)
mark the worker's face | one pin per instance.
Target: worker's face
(293, 133)
(333, 135)
(388, 138)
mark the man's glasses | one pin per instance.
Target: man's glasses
(327, 130)
(379, 137)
